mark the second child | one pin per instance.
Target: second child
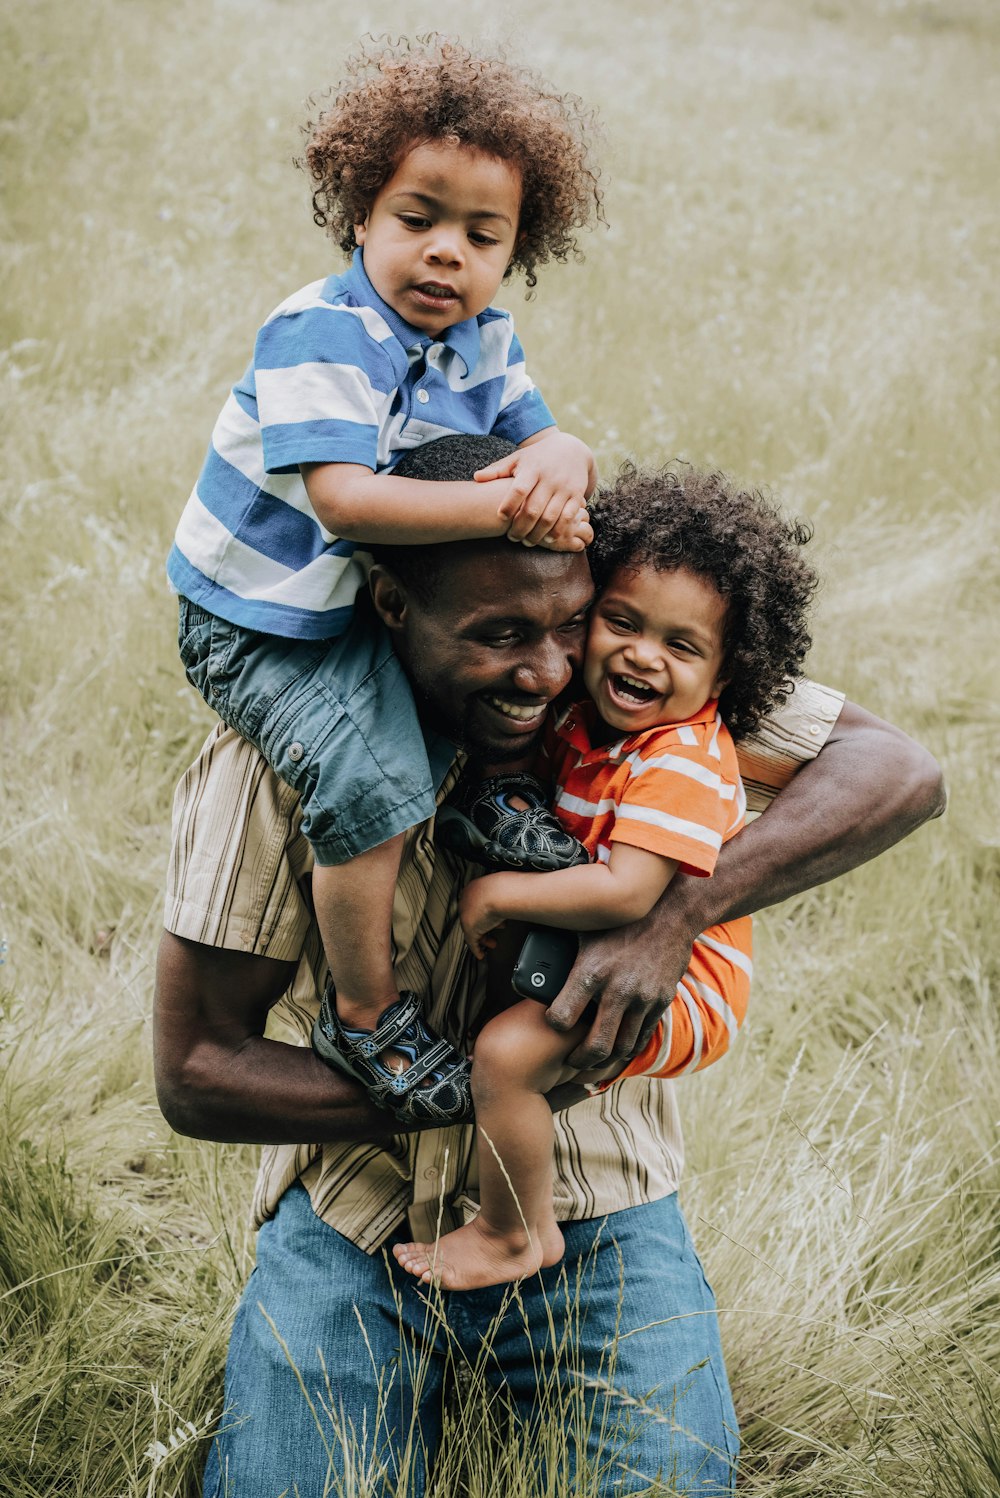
(698, 631)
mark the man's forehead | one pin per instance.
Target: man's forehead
(515, 583)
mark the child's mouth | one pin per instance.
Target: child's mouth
(436, 293)
(631, 690)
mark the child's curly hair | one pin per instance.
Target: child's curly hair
(398, 94)
(677, 517)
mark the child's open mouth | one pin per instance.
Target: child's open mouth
(629, 689)
(435, 293)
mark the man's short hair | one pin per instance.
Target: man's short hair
(452, 459)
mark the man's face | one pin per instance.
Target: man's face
(500, 641)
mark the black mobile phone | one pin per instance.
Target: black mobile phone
(543, 963)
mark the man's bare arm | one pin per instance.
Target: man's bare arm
(869, 786)
(217, 1077)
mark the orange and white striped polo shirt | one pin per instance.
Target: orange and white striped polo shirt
(673, 790)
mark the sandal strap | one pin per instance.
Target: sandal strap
(434, 1088)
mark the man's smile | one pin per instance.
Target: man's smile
(530, 714)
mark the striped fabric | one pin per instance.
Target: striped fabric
(673, 790)
(337, 377)
(235, 880)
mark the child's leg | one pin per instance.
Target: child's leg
(353, 903)
(518, 1058)
(336, 721)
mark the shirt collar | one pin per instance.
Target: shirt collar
(461, 337)
(580, 720)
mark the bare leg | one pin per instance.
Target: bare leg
(517, 1059)
(354, 912)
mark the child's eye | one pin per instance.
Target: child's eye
(414, 221)
(624, 626)
(482, 239)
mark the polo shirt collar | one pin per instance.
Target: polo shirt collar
(580, 722)
(462, 337)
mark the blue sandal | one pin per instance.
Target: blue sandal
(479, 822)
(433, 1089)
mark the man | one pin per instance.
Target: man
(331, 1338)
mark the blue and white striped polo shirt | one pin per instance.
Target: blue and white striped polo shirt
(337, 377)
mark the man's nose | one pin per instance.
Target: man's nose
(546, 668)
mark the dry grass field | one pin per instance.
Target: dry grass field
(799, 284)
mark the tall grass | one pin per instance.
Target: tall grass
(799, 285)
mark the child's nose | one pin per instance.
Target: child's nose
(644, 654)
(444, 246)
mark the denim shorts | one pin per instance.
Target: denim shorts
(334, 718)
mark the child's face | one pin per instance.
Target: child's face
(441, 233)
(655, 647)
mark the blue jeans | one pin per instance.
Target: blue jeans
(334, 718)
(371, 1349)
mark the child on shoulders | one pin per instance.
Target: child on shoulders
(442, 172)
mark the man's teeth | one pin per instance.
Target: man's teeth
(514, 710)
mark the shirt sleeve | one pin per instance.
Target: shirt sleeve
(323, 387)
(679, 803)
(523, 412)
(788, 739)
(237, 854)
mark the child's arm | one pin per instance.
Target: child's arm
(353, 502)
(593, 897)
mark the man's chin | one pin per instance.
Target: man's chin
(495, 752)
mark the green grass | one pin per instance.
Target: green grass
(798, 284)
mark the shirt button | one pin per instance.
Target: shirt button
(814, 728)
(295, 751)
(423, 397)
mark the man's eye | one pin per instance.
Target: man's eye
(574, 625)
(509, 638)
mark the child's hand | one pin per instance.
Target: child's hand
(478, 916)
(550, 480)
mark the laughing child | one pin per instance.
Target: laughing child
(698, 631)
(441, 171)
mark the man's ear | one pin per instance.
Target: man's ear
(388, 596)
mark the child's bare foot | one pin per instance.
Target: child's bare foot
(475, 1255)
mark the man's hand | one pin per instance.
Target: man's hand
(869, 786)
(551, 478)
(632, 979)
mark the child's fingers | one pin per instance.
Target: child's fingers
(572, 532)
(560, 511)
(520, 493)
(503, 468)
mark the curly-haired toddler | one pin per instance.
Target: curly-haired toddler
(441, 171)
(699, 629)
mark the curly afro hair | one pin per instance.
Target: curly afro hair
(677, 517)
(395, 95)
